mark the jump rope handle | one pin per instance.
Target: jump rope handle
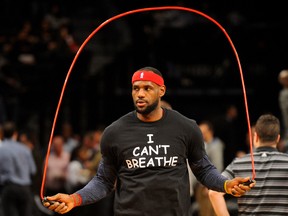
(49, 201)
(247, 183)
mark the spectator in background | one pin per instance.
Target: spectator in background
(93, 162)
(165, 104)
(91, 144)
(57, 166)
(67, 40)
(1, 134)
(28, 138)
(11, 85)
(270, 195)
(82, 168)
(1, 138)
(2, 110)
(214, 146)
(283, 104)
(78, 174)
(215, 151)
(88, 143)
(228, 129)
(56, 17)
(70, 141)
(246, 150)
(16, 168)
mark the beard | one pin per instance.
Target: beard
(148, 109)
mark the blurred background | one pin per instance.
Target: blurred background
(39, 40)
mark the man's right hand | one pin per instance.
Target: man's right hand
(60, 203)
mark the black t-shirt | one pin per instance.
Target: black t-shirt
(150, 161)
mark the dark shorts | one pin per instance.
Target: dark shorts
(17, 200)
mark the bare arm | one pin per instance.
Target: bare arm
(237, 187)
(218, 202)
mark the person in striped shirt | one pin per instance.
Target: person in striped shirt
(270, 195)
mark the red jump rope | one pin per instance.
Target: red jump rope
(129, 13)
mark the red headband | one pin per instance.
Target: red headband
(144, 75)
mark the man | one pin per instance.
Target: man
(228, 128)
(144, 157)
(57, 168)
(17, 166)
(283, 102)
(270, 196)
(214, 146)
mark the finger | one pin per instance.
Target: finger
(61, 208)
(47, 202)
(235, 193)
(54, 206)
(244, 187)
(240, 192)
(249, 182)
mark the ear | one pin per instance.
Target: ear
(278, 138)
(162, 90)
(15, 135)
(255, 139)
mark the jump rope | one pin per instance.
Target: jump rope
(129, 13)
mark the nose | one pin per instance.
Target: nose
(141, 93)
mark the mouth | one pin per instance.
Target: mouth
(140, 103)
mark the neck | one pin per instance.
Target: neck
(209, 139)
(273, 145)
(155, 115)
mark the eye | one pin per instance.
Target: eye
(147, 88)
